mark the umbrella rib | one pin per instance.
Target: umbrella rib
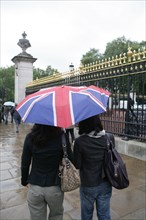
(71, 108)
(54, 109)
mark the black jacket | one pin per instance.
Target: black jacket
(40, 165)
(88, 157)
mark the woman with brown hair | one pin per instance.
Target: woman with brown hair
(42, 154)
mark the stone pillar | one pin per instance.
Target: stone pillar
(23, 69)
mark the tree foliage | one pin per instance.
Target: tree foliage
(113, 48)
(39, 73)
(7, 83)
(120, 46)
(91, 56)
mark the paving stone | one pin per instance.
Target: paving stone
(15, 172)
(5, 174)
(19, 212)
(137, 215)
(8, 185)
(5, 166)
(127, 202)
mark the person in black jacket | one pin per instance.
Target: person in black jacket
(41, 156)
(89, 149)
(16, 117)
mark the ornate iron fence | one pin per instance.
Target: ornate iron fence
(125, 77)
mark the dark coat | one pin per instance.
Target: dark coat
(88, 157)
(45, 162)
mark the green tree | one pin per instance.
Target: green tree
(39, 73)
(50, 71)
(7, 83)
(91, 56)
(120, 46)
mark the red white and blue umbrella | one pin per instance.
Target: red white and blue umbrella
(63, 106)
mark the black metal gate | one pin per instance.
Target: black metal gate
(125, 78)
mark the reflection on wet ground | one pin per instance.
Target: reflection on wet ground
(125, 204)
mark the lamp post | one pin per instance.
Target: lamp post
(71, 67)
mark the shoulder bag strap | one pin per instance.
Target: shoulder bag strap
(110, 140)
(65, 155)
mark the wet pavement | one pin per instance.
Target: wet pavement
(127, 204)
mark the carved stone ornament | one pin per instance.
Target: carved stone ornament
(24, 43)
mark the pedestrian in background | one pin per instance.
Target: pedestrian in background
(42, 154)
(12, 110)
(17, 118)
(89, 149)
(132, 126)
(1, 113)
(6, 113)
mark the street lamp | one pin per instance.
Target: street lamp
(71, 67)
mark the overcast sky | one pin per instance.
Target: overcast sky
(60, 32)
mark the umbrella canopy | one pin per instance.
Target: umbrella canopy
(63, 106)
(9, 103)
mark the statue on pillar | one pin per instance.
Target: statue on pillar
(24, 43)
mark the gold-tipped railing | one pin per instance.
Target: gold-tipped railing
(122, 59)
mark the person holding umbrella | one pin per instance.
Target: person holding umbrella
(89, 150)
(41, 156)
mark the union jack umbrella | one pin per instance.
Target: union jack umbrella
(63, 106)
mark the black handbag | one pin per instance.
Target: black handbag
(114, 167)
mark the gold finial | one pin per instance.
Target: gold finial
(102, 64)
(139, 54)
(129, 53)
(109, 60)
(124, 58)
(120, 59)
(116, 60)
(99, 65)
(112, 60)
(143, 53)
(105, 63)
(134, 55)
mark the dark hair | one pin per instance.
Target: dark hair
(90, 124)
(41, 134)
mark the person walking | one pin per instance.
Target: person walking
(6, 113)
(17, 118)
(12, 110)
(42, 154)
(89, 149)
(1, 113)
